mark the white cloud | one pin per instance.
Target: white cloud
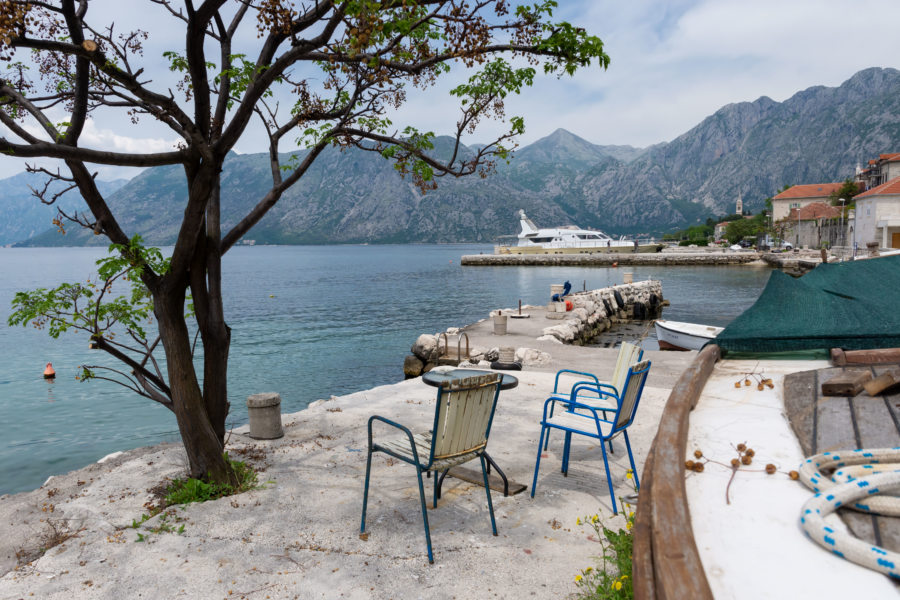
(106, 139)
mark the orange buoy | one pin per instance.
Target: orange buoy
(615, 264)
(569, 305)
(49, 373)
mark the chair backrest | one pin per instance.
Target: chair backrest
(629, 354)
(634, 386)
(463, 415)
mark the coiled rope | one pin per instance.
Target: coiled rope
(861, 481)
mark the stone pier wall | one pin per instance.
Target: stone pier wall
(595, 311)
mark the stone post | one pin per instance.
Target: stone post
(264, 411)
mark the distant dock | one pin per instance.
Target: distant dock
(608, 259)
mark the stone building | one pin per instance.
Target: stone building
(815, 225)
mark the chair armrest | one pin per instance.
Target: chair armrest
(582, 373)
(572, 405)
(601, 389)
(396, 425)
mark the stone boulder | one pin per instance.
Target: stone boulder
(530, 357)
(412, 366)
(425, 347)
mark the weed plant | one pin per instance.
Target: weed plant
(186, 491)
(612, 576)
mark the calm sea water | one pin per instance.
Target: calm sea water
(307, 321)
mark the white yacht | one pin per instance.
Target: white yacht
(566, 240)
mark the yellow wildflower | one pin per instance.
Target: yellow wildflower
(617, 585)
(629, 524)
(629, 474)
(594, 519)
(588, 570)
(578, 521)
(577, 578)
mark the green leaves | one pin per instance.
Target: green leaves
(91, 306)
(570, 47)
(497, 79)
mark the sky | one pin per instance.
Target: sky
(673, 63)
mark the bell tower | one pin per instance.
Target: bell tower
(739, 206)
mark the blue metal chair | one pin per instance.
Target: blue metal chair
(600, 394)
(584, 419)
(462, 422)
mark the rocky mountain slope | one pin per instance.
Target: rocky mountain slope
(22, 215)
(748, 149)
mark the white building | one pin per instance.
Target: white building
(878, 215)
(798, 196)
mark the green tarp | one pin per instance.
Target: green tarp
(851, 305)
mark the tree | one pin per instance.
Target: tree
(738, 230)
(848, 189)
(343, 65)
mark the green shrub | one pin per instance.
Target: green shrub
(186, 491)
(698, 242)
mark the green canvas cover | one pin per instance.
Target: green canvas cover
(851, 305)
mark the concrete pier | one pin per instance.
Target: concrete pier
(607, 259)
(543, 334)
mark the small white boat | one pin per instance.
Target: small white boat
(675, 335)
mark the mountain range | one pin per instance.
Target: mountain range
(747, 150)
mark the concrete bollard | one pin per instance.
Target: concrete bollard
(628, 277)
(264, 411)
(500, 324)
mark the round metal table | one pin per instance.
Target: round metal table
(436, 379)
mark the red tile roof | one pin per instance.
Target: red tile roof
(816, 210)
(809, 190)
(892, 157)
(891, 187)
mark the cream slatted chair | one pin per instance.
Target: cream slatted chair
(462, 422)
(603, 394)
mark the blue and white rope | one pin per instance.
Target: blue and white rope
(860, 485)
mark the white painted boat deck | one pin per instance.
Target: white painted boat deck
(754, 547)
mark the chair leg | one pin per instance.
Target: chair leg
(637, 484)
(425, 515)
(547, 440)
(487, 488)
(537, 464)
(362, 525)
(566, 447)
(612, 494)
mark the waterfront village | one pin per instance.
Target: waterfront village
(859, 213)
(660, 474)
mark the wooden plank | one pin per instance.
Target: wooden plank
(475, 476)
(889, 527)
(887, 383)
(800, 406)
(678, 570)
(865, 357)
(642, 571)
(848, 383)
(835, 428)
(875, 423)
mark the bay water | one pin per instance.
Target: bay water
(307, 322)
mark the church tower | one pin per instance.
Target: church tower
(739, 206)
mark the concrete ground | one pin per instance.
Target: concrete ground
(297, 536)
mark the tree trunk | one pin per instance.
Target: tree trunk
(203, 444)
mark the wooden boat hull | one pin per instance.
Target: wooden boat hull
(674, 335)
